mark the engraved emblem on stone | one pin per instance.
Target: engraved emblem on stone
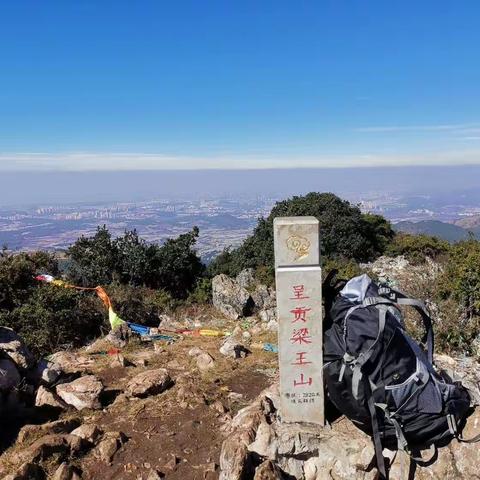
(299, 245)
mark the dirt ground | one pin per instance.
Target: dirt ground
(178, 432)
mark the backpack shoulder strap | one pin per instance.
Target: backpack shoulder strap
(397, 296)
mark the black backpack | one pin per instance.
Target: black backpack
(380, 378)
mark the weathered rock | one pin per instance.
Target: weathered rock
(82, 393)
(230, 298)
(272, 326)
(306, 452)
(46, 398)
(150, 382)
(67, 472)
(119, 361)
(89, 432)
(9, 376)
(28, 432)
(12, 346)
(109, 445)
(246, 278)
(205, 361)
(45, 373)
(61, 444)
(155, 475)
(70, 362)
(28, 471)
(195, 351)
(231, 347)
(264, 298)
(268, 315)
(268, 471)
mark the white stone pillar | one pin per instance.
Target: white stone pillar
(299, 307)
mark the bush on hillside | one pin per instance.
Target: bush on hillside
(93, 260)
(416, 248)
(175, 266)
(202, 292)
(461, 277)
(54, 318)
(345, 233)
(128, 260)
(140, 304)
(17, 276)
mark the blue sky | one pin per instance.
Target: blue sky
(238, 84)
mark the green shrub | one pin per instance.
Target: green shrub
(416, 248)
(461, 277)
(344, 233)
(140, 304)
(55, 318)
(202, 292)
(174, 266)
(17, 276)
(347, 268)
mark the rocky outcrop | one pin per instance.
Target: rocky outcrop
(12, 347)
(230, 298)
(82, 393)
(259, 445)
(233, 299)
(151, 382)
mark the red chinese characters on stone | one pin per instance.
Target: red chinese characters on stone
(301, 336)
(302, 381)
(300, 314)
(301, 360)
(299, 292)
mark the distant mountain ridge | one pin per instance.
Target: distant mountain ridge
(470, 222)
(452, 232)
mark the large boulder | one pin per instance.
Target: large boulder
(48, 399)
(70, 362)
(230, 298)
(84, 392)
(12, 347)
(150, 382)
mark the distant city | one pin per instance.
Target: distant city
(223, 222)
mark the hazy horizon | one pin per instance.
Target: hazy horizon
(27, 188)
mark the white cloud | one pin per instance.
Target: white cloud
(419, 128)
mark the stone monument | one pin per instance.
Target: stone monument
(299, 307)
